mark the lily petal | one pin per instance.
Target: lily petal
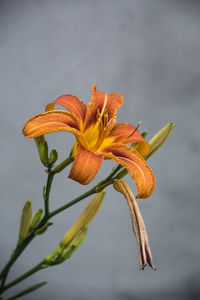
(126, 133)
(129, 158)
(85, 166)
(72, 103)
(54, 121)
(102, 102)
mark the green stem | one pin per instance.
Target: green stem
(20, 248)
(47, 216)
(47, 191)
(74, 201)
(92, 191)
(24, 276)
(63, 165)
(114, 171)
(17, 252)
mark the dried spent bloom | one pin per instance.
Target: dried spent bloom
(98, 137)
(144, 251)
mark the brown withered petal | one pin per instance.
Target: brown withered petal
(144, 251)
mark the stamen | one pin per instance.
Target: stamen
(104, 104)
(105, 118)
(98, 114)
(102, 121)
(136, 128)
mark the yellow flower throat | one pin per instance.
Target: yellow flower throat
(96, 133)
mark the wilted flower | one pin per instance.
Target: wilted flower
(144, 251)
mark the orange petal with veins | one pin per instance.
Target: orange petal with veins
(129, 158)
(54, 121)
(85, 166)
(103, 102)
(72, 103)
(126, 133)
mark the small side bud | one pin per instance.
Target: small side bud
(42, 147)
(53, 156)
(159, 139)
(25, 220)
(43, 229)
(36, 218)
(43, 152)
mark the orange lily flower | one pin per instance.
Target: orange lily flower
(98, 137)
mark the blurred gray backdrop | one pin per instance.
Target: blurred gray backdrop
(149, 51)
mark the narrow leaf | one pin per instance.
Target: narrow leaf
(28, 290)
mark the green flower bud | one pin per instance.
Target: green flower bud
(43, 229)
(159, 139)
(36, 218)
(25, 220)
(53, 156)
(43, 152)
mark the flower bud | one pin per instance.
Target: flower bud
(25, 220)
(84, 219)
(43, 152)
(44, 228)
(36, 218)
(53, 156)
(159, 139)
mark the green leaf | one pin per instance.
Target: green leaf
(28, 290)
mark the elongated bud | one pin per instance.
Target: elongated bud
(159, 139)
(25, 220)
(43, 152)
(85, 218)
(53, 156)
(42, 147)
(144, 251)
(36, 218)
(43, 229)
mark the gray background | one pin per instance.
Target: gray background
(149, 51)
